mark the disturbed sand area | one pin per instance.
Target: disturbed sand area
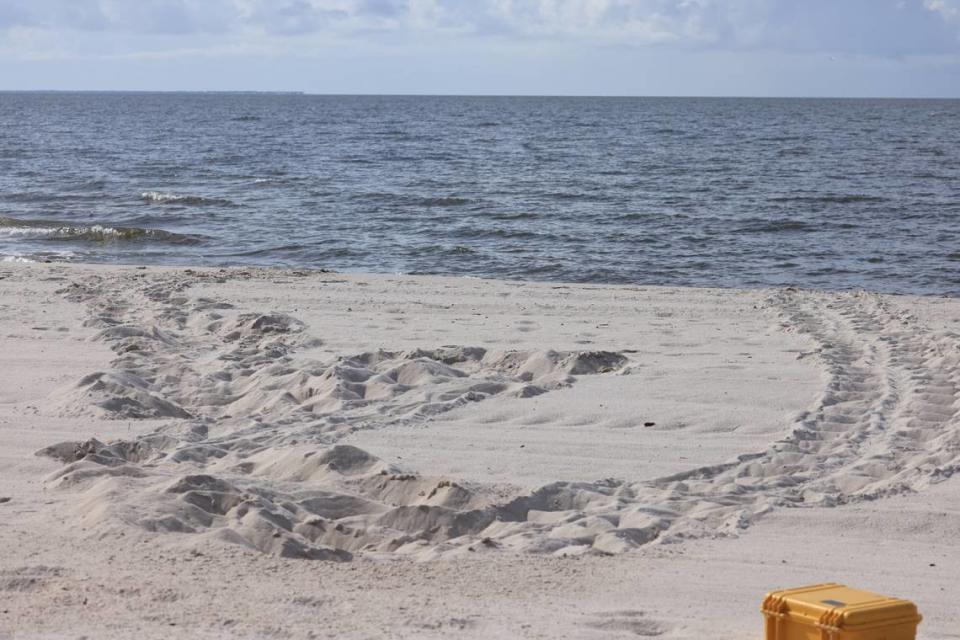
(267, 453)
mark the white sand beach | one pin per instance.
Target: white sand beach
(247, 453)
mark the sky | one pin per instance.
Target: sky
(845, 48)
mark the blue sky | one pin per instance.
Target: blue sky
(895, 48)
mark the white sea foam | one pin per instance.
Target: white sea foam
(157, 196)
(29, 232)
(65, 231)
(36, 257)
(50, 230)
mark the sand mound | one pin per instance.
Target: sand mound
(118, 394)
(117, 452)
(250, 452)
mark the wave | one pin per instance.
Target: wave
(32, 197)
(39, 256)
(831, 198)
(173, 198)
(93, 183)
(412, 201)
(473, 232)
(64, 231)
(780, 139)
(523, 215)
(264, 251)
(449, 201)
(580, 196)
(437, 249)
(777, 226)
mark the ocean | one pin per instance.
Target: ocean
(822, 193)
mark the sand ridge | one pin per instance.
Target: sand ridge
(264, 485)
(252, 451)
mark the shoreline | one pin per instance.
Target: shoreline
(423, 379)
(280, 269)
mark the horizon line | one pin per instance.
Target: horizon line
(475, 95)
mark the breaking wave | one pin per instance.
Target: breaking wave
(62, 231)
(159, 197)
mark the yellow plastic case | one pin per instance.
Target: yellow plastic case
(835, 612)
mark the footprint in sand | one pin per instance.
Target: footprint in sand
(625, 623)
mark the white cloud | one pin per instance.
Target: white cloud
(949, 9)
(856, 27)
(646, 20)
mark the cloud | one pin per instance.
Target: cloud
(140, 16)
(950, 10)
(855, 27)
(624, 21)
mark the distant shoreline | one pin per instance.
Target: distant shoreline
(253, 92)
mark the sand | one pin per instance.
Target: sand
(258, 453)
